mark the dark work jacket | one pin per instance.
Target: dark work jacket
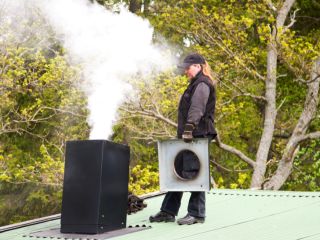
(205, 127)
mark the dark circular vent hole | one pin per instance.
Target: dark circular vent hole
(186, 165)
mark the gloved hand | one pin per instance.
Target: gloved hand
(187, 133)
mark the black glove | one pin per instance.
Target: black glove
(187, 133)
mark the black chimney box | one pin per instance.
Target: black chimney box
(95, 187)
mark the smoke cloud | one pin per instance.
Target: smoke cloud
(109, 46)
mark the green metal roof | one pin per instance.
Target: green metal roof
(231, 214)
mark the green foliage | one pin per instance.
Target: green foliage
(41, 100)
(308, 15)
(143, 180)
(41, 107)
(242, 181)
(28, 201)
(157, 93)
(306, 174)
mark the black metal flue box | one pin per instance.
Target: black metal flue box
(95, 187)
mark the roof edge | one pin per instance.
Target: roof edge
(58, 216)
(152, 194)
(29, 223)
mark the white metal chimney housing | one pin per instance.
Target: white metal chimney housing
(184, 166)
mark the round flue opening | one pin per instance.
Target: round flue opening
(186, 165)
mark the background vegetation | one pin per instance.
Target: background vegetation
(42, 107)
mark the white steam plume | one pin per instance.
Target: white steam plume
(110, 47)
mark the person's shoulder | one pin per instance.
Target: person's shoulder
(203, 84)
(205, 79)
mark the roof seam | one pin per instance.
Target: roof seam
(263, 195)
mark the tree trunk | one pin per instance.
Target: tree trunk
(269, 118)
(309, 111)
(270, 95)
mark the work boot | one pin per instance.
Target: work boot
(188, 220)
(162, 217)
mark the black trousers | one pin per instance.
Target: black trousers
(196, 208)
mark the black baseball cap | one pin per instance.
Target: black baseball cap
(193, 58)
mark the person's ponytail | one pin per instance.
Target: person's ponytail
(206, 69)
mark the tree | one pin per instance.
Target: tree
(41, 107)
(40, 103)
(252, 48)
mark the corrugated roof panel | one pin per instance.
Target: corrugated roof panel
(247, 215)
(231, 214)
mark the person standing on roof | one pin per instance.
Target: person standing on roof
(195, 120)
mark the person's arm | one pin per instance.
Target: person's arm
(198, 104)
(197, 110)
